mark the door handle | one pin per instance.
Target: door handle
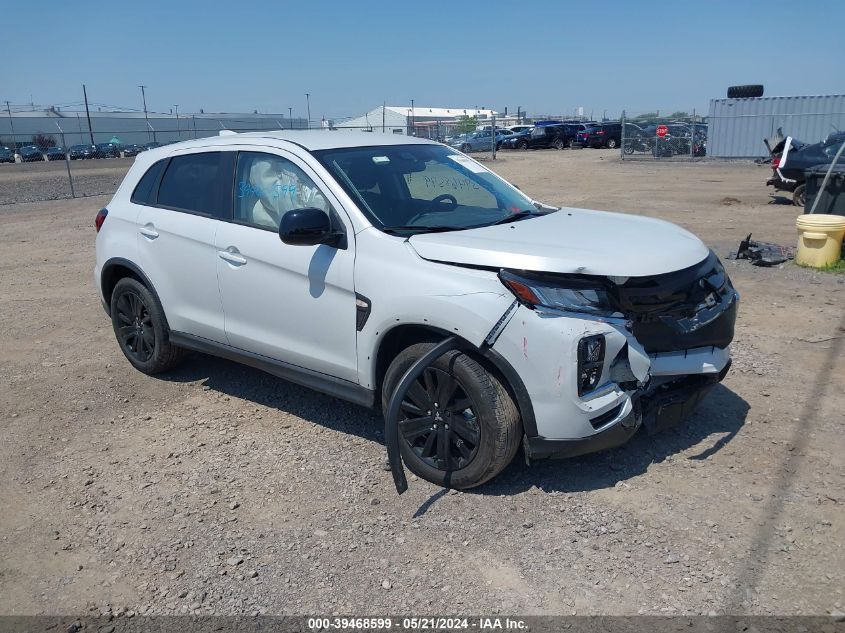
(149, 230)
(233, 256)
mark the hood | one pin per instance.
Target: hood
(570, 241)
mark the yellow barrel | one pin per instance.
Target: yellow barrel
(819, 239)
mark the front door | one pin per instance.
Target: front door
(291, 303)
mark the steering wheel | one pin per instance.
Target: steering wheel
(445, 197)
(438, 201)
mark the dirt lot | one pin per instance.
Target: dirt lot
(30, 182)
(219, 489)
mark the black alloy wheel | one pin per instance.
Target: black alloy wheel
(439, 422)
(135, 328)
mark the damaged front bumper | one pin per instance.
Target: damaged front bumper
(656, 409)
(655, 368)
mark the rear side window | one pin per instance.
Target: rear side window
(199, 183)
(144, 193)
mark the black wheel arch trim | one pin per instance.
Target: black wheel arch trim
(125, 263)
(493, 358)
(523, 399)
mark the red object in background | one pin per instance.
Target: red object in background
(662, 131)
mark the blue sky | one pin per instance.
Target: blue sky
(548, 57)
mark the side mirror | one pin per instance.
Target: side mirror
(307, 227)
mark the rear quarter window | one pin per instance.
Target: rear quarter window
(144, 192)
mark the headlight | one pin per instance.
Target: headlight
(585, 296)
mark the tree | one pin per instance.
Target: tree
(43, 140)
(679, 115)
(467, 124)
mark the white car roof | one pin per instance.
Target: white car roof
(309, 139)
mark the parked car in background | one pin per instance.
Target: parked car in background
(108, 150)
(55, 153)
(607, 135)
(82, 151)
(518, 140)
(790, 159)
(516, 129)
(30, 154)
(479, 141)
(6, 155)
(132, 150)
(627, 320)
(557, 135)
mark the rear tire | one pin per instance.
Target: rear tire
(456, 390)
(559, 144)
(522, 145)
(611, 143)
(141, 329)
(799, 195)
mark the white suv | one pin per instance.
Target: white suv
(574, 326)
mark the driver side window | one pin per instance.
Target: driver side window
(268, 186)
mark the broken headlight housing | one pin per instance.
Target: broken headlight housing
(572, 295)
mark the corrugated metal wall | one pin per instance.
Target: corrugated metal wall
(737, 127)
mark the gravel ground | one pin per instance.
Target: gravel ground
(219, 489)
(32, 182)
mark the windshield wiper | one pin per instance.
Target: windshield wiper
(519, 215)
(419, 228)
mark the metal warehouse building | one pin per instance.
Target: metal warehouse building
(737, 127)
(421, 120)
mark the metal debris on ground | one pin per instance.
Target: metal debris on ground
(763, 253)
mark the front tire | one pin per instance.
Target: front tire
(140, 328)
(522, 145)
(559, 144)
(458, 425)
(611, 143)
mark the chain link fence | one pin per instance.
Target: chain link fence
(648, 136)
(51, 157)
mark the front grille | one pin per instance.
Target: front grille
(694, 307)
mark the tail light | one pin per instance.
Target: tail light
(600, 132)
(101, 217)
(775, 162)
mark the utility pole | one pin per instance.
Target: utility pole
(178, 131)
(413, 122)
(12, 126)
(146, 118)
(290, 117)
(308, 104)
(88, 114)
(383, 108)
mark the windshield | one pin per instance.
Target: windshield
(423, 186)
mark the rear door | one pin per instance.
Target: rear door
(176, 232)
